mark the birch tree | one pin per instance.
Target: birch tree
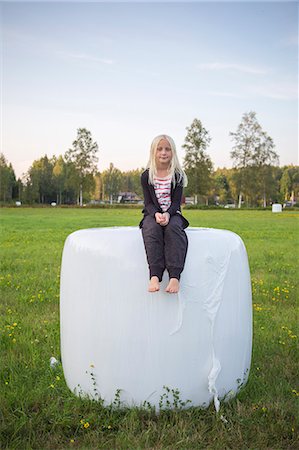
(83, 155)
(197, 163)
(252, 148)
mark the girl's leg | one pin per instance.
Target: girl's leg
(153, 238)
(176, 244)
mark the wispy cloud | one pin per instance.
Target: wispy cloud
(283, 90)
(91, 58)
(225, 94)
(278, 91)
(232, 67)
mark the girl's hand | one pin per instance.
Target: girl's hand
(159, 217)
(165, 219)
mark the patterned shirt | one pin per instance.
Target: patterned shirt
(162, 186)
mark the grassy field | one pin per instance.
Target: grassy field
(38, 411)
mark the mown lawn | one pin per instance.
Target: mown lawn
(38, 411)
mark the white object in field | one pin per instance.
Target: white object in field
(18, 203)
(53, 204)
(53, 362)
(276, 207)
(116, 335)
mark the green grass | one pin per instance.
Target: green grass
(38, 411)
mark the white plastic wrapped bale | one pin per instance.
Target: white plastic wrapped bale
(116, 335)
(276, 208)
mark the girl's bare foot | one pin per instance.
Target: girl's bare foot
(173, 286)
(154, 285)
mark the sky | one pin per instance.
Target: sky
(131, 71)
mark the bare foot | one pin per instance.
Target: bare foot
(173, 286)
(154, 285)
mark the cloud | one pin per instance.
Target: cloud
(225, 94)
(277, 90)
(92, 58)
(232, 67)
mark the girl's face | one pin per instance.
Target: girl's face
(163, 153)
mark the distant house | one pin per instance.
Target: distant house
(128, 197)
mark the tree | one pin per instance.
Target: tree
(71, 187)
(59, 178)
(294, 170)
(40, 180)
(111, 179)
(197, 163)
(98, 191)
(7, 180)
(131, 181)
(289, 183)
(221, 188)
(83, 156)
(252, 148)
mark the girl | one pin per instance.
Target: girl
(163, 225)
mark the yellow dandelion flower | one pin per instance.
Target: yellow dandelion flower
(86, 425)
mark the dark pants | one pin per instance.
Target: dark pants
(165, 247)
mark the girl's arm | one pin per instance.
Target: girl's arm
(150, 207)
(176, 200)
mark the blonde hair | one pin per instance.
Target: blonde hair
(174, 167)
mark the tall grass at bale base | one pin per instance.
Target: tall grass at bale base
(38, 411)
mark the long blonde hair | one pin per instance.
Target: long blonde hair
(175, 166)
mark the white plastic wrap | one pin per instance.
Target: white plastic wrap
(276, 207)
(197, 341)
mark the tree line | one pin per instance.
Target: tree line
(73, 178)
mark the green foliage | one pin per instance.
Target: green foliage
(8, 184)
(41, 180)
(38, 411)
(289, 182)
(83, 153)
(170, 399)
(197, 163)
(221, 189)
(71, 179)
(252, 145)
(111, 179)
(83, 157)
(253, 155)
(131, 181)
